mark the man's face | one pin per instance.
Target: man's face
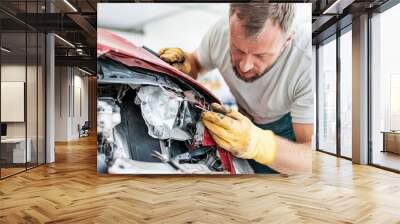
(254, 56)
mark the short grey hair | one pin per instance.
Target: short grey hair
(253, 15)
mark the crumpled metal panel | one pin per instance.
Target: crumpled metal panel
(111, 72)
(160, 109)
(118, 49)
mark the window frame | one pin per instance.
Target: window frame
(379, 10)
(334, 37)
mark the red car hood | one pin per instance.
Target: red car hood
(125, 52)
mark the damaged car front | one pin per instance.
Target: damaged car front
(148, 116)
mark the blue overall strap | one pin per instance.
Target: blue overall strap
(283, 128)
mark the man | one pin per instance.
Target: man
(267, 67)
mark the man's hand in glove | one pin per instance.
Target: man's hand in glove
(236, 133)
(177, 58)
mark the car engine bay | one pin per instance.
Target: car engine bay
(149, 123)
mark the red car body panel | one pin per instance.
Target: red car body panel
(121, 50)
(125, 52)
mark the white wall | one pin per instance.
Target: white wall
(70, 83)
(80, 102)
(165, 25)
(61, 103)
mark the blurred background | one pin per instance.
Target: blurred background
(176, 25)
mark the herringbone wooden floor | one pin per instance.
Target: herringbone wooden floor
(70, 191)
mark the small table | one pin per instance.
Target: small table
(391, 141)
(13, 150)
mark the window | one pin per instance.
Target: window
(346, 94)
(22, 76)
(385, 89)
(327, 97)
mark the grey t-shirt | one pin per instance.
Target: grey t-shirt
(286, 87)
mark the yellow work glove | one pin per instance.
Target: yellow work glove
(177, 58)
(236, 133)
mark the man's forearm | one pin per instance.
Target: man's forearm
(292, 158)
(195, 67)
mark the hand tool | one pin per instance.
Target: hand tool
(151, 51)
(220, 113)
(164, 159)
